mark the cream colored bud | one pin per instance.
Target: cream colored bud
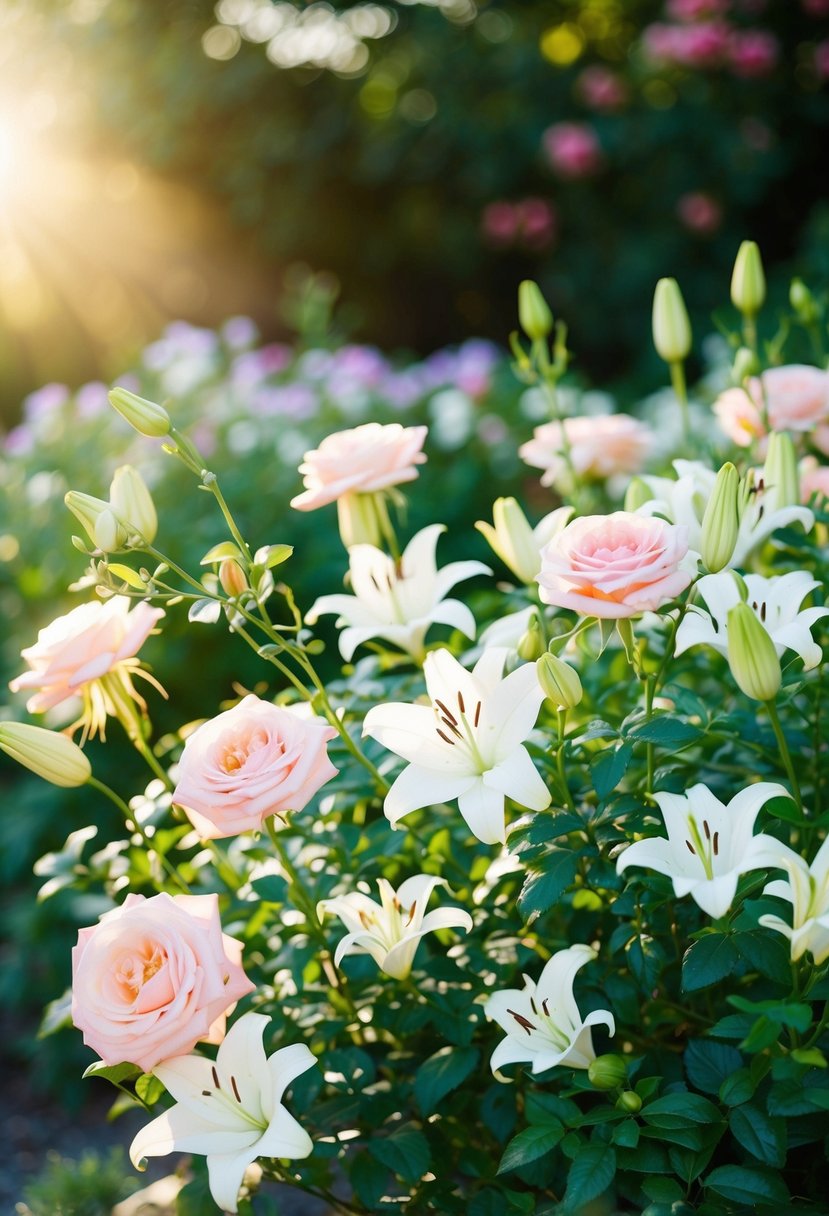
(132, 503)
(358, 520)
(534, 314)
(745, 364)
(531, 643)
(607, 1072)
(781, 480)
(752, 656)
(803, 302)
(637, 494)
(671, 326)
(748, 280)
(512, 539)
(148, 418)
(559, 681)
(232, 578)
(52, 756)
(98, 521)
(721, 521)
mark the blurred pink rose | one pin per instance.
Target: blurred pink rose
(154, 977)
(815, 8)
(602, 89)
(573, 149)
(369, 457)
(797, 399)
(696, 10)
(614, 566)
(814, 478)
(530, 222)
(248, 763)
(699, 212)
(822, 60)
(599, 447)
(701, 45)
(499, 223)
(753, 53)
(84, 645)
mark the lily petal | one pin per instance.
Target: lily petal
(483, 811)
(518, 778)
(417, 787)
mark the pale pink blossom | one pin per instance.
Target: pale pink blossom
(753, 52)
(796, 398)
(602, 89)
(250, 762)
(616, 565)
(154, 977)
(696, 10)
(368, 458)
(599, 447)
(573, 149)
(814, 479)
(699, 212)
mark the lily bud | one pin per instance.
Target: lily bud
(803, 302)
(671, 326)
(132, 503)
(52, 756)
(97, 518)
(752, 656)
(748, 280)
(357, 518)
(232, 578)
(721, 521)
(148, 418)
(607, 1072)
(534, 314)
(512, 539)
(780, 475)
(637, 494)
(745, 364)
(531, 643)
(560, 682)
(629, 1101)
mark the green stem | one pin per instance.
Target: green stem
(209, 480)
(146, 753)
(681, 391)
(650, 688)
(785, 755)
(562, 776)
(133, 822)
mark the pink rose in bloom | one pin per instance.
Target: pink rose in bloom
(796, 396)
(573, 149)
(154, 977)
(369, 457)
(614, 566)
(84, 646)
(814, 479)
(248, 763)
(599, 447)
(753, 53)
(601, 89)
(699, 212)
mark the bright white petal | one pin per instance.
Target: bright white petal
(555, 984)
(483, 810)
(285, 1066)
(455, 614)
(411, 732)
(285, 1137)
(510, 1051)
(446, 918)
(715, 896)
(696, 629)
(518, 778)
(513, 709)
(226, 1172)
(455, 573)
(655, 853)
(417, 787)
(418, 889)
(347, 607)
(179, 1130)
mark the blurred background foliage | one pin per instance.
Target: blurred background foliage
(429, 154)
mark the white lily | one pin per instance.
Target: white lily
(542, 1021)
(807, 890)
(776, 604)
(391, 930)
(517, 543)
(467, 744)
(710, 845)
(398, 601)
(229, 1111)
(683, 500)
(509, 630)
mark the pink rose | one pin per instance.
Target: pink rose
(814, 479)
(367, 458)
(250, 762)
(796, 396)
(614, 565)
(154, 977)
(599, 447)
(86, 644)
(573, 149)
(602, 89)
(753, 52)
(699, 212)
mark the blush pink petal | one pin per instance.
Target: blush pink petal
(362, 460)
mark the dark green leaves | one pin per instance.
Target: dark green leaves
(405, 1152)
(543, 889)
(441, 1073)
(744, 1185)
(530, 1144)
(591, 1173)
(707, 961)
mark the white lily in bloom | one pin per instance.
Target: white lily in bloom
(807, 890)
(776, 604)
(516, 543)
(398, 601)
(683, 501)
(229, 1111)
(391, 930)
(710, 845)
(467, 744)
(542, 1021)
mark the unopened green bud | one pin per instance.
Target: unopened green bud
(97, 518)
(559, 682)
(53, 756)
(638, 493)
(803, 302)
(745, 364)
(721, 521)
(232, 578)
(358, 520)
(512, 539)
(132, 503)
(671, 327)
(607, 1072)
(748, 281)
(531, 643)
(752, 656)
(533, 311)
(148, 418)
(629, 1101)
(781, 480)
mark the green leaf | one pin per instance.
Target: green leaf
(707, 961)
(626, 1134)
(274, 555)
(488, 1202)
(762, 1136)
(441, 1073)
(127, 575)
(204, 612)
(609, 767)
(667, 731)
(680, 1110)
(369, 1179)
(663, 1190)
(149, 1088)
(708, 1064)
(116, 1073)
(530, 1144)
(195, 1198)
(218, 553)
(738, 1088)
(405, 1152)
(767, 952)
(540, 891)
(744, 1185)
(590, 1175)
(56, 1015)
(783, 1013)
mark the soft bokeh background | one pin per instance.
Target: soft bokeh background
(188, 189)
